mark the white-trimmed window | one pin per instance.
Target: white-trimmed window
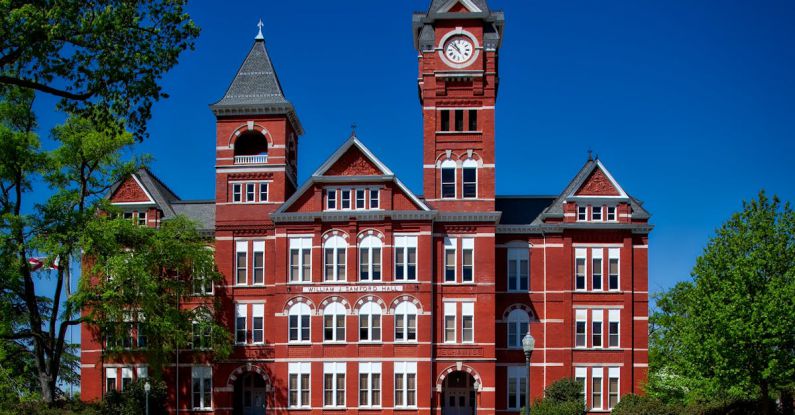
(375, 199)
(142, 372)
(596, 328)
(405, 258)
(298, 324)
(241, 315)
(259, 263)
(596, 268)
(582, 213)
(258, 323)
(580, 260)
(467, 260)
(345, 199)
(613, 256)
(470, 179)
(449, 322)
(613, 328)
(298, 384)
(200, 332)
(111, 374)
(517, 387)
(370, 384)
(467, 322)
(263, 192)
(300, 259)
(596, 388)
(361, 199)
(251, 192)
(202, 380)
(613, 387)
(405, 384)
(370, 322)
(202, 284)
(611, 213)
(237, 192)
(334, 384)
(596, 213)
(241, 262)
(448, 179)
(406, 322)
(370, 259)
(334, 322)
(449, 259)
(518, 269)
(581, 376)
(331, 199)
(335, 252)
(141, 219)
(126, 377)
(518, 325)
(581, 328)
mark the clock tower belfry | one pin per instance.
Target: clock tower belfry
(458, 43)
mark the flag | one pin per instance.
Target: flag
(35, 264)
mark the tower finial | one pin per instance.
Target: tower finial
(353, 129)
(590, 155)
(259, 35)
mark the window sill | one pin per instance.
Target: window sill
(299, 343)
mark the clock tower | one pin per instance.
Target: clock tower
(458, 43)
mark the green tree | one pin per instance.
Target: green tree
(104, 59)
(730, 332)
(563, 397)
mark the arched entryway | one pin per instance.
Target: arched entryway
(250, 393)
(459, 394)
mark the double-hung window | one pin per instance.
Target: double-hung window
(582, 213)
(467, 260)
(449, 259)
(518, 326)
(518, 269)
(141, 219)
(370, 259)
(345, 199)
(613, 328)
(331, 199)
(596, 213)
(596, 268)
(611, 213)
(596, 388)
(237, 192)
(405, 384)
(250, 192)
(405, 258)
(258, 275)
(300, 259)
(241, 315)
(596, 328)
(333, 384)
(263, 192)
(581, 328)
(334, 255)
(126, 377)
(581, 256)
(201, 333)
(360, 198)
(406, 322)
(298, 323)
(448, 179)
(470, 179)
(334, 323)
(449, 322)
(241, 262)
(370, 384)
(517, 387)
(258, 323)
(613, 255)
(375, 200)
(110, 379)
(613, 384)
(370, 322)
(298, 385)
(467, 322)
(581, 377)
(202, 377)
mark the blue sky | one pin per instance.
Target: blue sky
(690, 105)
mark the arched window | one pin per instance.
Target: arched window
(406, 322)
(448, 179)
(470, 179)
(518, 324)
(251, 147)
(335, 251)
(370, 322)
(518, 269)
(370, 259)
(299, 322)
(334, 323)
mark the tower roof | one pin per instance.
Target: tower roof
(255, 89)
(423, 22)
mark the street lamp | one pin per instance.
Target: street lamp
(147, 388)
(528, 344)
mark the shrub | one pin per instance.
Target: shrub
(563, 397)
(642, 405)
(132, 401)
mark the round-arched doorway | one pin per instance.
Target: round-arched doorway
(250, 394)
(459, 395)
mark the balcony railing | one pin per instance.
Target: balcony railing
(256, 159)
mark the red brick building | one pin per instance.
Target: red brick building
(351, 292)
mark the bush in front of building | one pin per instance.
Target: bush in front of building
(132, 401)
(642, 405)
(563, 397)
(645, 405)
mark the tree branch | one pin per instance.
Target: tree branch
(46, 88)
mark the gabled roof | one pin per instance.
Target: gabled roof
(256, 89)
(569, 194)
(444, 6)
(423, 22)
(318, 175)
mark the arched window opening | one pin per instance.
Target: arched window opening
(370, 259)
(470, 179)
(370, 322)
(518, 324)
(406, 322)
(334, 255)
(251, 148)
(334, 323)
(299, 322)
(448, 179)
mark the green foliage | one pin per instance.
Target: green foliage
(104, 59)
(545, 407)
(642, 405)
(39, 407)
(132, 401)
(730, 332)
(564, 397)
(645, 405)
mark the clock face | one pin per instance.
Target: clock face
(459, 49)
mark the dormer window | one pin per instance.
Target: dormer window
(331, 199)
(596, 215)
(611, 213)
(374, 199)
(360, 202)
(352, 198)
(346, 199)
(582, 213)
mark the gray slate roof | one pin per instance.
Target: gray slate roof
(201, 211)
(521, 210)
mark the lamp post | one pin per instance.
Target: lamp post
(147, 388)
(528, 344)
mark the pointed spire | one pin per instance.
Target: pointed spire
(590, 155)
(353, 130)
(259, 35)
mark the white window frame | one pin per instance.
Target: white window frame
(611, 214)
(614, 254)
(597, 211)
(406, 309)
(126, 373)
(241, 311)
(405, 244)
(581, 374)
(302, 371)
(343, 199)
(205, 376)
(516, 320)
(581, 316)
(468, 246)
(597, 254)
(300, 310)
(404, 369)
(141, 216)
(370, 313)
(335, 369)
(111, 379)
(363, 199)
(467, 311)
(251, 190)
(515, 257)
(613, 316)
(257, 312)
(335, 243)
(448, 164)
(516, 374)
(331, 199)
(613, 373)
(263, 186)
(582, 213)
(237, 192)
(142, 372)
(375, 202)
(259, 249)
(371, 243)
(469, 164)
(337, 312)
(450, 245)
(300, 244)
(450, 310)
(597, 321)
(597, 373)
(241, 247)
(581, 254)
(370, 369)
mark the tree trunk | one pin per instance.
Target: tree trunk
(764, 395)
(787, 407)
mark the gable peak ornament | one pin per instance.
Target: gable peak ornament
(259, 35)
